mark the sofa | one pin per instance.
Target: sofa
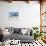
(22, 34)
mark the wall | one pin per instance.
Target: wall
(29, 14)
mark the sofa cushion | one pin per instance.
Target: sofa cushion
(28, 31)
(23, 31)
(17, 30)
(11, 30)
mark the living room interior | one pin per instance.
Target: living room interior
(23, 21)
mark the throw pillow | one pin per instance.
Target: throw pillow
(23, 31)
(11, 30)
(17, 30)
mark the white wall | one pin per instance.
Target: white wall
(29, 14)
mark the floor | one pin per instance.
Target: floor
(35, 43)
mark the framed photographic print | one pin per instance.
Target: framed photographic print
(13, 15)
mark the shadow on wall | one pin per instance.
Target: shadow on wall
(1, 35)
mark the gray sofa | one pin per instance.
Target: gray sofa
(17, 35)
